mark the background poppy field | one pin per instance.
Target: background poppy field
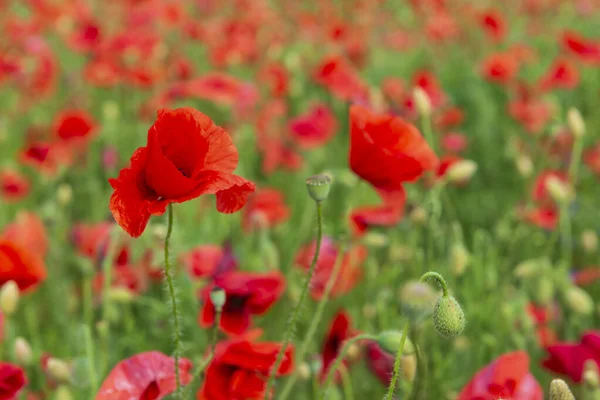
(357, 143)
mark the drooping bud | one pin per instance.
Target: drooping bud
(448, 317)
(558, 189)
(559, 390)
(218, 298)
(575, 122)
(58, 370)
(578, 300)
(9, 298)
(318, 187)
(589, 241)
(422, 102)
(461, 171)
(459, 258)
(23, 352)
(390, 341)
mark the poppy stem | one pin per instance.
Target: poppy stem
(91, 360)
(107, 265)
(336, 363)
(295, 314)
(392, 387)
(440, 280)
(215, 329)
(346, 383)
(172, 294)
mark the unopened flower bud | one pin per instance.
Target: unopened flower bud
(58, 370)
(461, 171)
(63, 393)
(590, 375)
(390, 341)
(422, 102)
(528, 269)
(558, 189)
(23, 352)
(120, 295)
(64, 194)
(408, 367)
(318, 187)
(575, 122)
(375, 239)
(579, 301)
(218, 297)
(9, 298)
(304, 372)
(524, 165)
(559, 390)
(417, 299)
(459, 258)
(589, 241)
(353, 351)
(448, 317)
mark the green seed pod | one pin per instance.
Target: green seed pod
(389, 341)
(417, 300)
(318, 187)
(559, 390)
(218, 297)
(448, 317)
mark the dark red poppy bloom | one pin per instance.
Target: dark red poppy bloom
(247, 294)
(187, 156)
(506, 377)
(340, 78)
(265, 209)
(445, 163)
(569, 358)
(241, 367)
(12, 380)
(493, 23)
(349, 273)
(454, 142)
(585, 49)
(74, 125)
(386, 151)
(562, 74)
(500, 68)
(315, 128)
(380, 362)
(209, 260)
(14, 186)
(18, 264)
(546, 217)
(339, 331)
(29, 232)
(145, 376)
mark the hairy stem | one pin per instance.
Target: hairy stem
(392, 387)
(440, 280)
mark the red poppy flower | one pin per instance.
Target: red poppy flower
(20, 265)
(41, 156)
(12, 380)
(74, 125)
(591, 157)
(562, 74)
(386, 151)
(102, 72)
(86, 36)
(220, 88)
(247, 294)
(569, 358)
(441, 27)
(277, 78)
(586, 49)
(381, 363)
(493, 23)
(454, 142)
(544, 217)
(542, 317)
(92, 240)
(540, 191)
(338, 76)
(394, 89)
(500, 68)
(27, 231)
(586, 276)
(240, 369)
(265, 209)
(506, 377)
(429, 83)
(145, 376)
(187, 156)
(531, 112)
(445, 163)
(348, 275)
(209, 261)
(14, 186)
(340, 330)
(449, 118)
(315, 128)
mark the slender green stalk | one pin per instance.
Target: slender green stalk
(575, 160)
(215, 329)
(336, 363)
(315, 322)
(198, 373)
(295, 314)
(346, 383)
(428, 132)
(173, 296)
(565, 229)
(88, 307)
(91, 360)
(392, 387)
(107, 265)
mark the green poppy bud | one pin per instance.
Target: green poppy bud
(448, 317)
(559, 390)
(417, 299)
(389, 341)
(218, 297)
(579, 301)
(318, 187)
(9, 298)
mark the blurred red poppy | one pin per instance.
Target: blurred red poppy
(506, 377)
(591, 157)
(276, 77)
(209, 260)
(247, 294)
(147, 376)
(338, 76)
(381, 363)
(532, 112)
(543, 317)
(386, 151)
(586, 276)
(569, 358)
(240, 368)
(454, 142)
(187, 156)
(348, 275)
(500, 68)
(315, 128)
(27, 231)
(14, 185)
(493, 23)
(445, 163)
(544, 217)
(12, 380)
(339, 331)
(265, 209)
(221, 88)
(562, 74)
(23, 266)
(585, 49)
(451, 117)
(540, 192)
(74, 125)
(427, 81)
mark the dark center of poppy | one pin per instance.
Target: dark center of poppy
(235, 303)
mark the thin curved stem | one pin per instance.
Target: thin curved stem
(392, 386)
(173, 296)
(336, 363)
(346, 383)
(294, 318)
(315, 321)
(440, 280)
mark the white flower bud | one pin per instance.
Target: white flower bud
(9, 297)
(461, 171)
(422, 102)
(575, 122)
